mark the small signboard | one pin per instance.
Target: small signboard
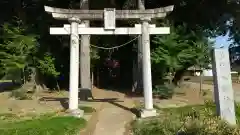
(109, 18)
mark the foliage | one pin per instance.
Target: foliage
(212, 21)
(20, 57)
(217, 18)
(20, 94)
(44, 126)
(189, 120)
(94, 57)
(191, 126)
(47, 66)
(163, 91)
(16, 49)
(179, 50)
(87, 109)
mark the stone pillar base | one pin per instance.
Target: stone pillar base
(76, 113)
(148, 113)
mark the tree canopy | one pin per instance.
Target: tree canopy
(191, 22)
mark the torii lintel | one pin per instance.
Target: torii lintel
(63, 14)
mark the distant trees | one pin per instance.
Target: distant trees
(17, 50)
(28, 45)
(174, 53)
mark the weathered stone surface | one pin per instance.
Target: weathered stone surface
(59, 13)
(74, 65)
(148, 113)
(109, 19)
(101, 31)
(76, 113)
(85, 60)
(77, 11)
(223, 91)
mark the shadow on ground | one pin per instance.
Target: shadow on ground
(132, 110)
(113, 101)
(64, 101)
(8, 86)
(126, 91)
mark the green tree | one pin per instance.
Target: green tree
(19, 54)
(206, 18)
(16, 50)
(178, 51)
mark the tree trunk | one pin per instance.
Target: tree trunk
(33, 85)
(23, 77)
(134, 71)
(19, 10)
(98, 75)
(58, 87)
(178, 76)
(238, 77)
(201, 81)
(92, 79)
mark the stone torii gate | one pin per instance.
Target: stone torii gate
(110, 15)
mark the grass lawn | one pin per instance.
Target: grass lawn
(2, 81)
(45, 125)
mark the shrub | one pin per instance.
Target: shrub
(156, 127)
(207, 126)
(164, 91)
(20, 94)
(188, 120)
(87, 109)
(189, 126)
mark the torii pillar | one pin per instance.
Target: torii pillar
(146, 70)
(74, 68)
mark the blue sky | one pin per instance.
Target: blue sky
(222, 41)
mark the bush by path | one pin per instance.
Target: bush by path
(189, 120)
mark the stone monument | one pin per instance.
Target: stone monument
(223, 90)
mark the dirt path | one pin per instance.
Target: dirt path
(113, 115)
(236, 88)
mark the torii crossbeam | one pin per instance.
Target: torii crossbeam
(63, 14)
(82, 30)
